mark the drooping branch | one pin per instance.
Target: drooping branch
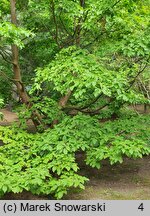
(96, 111)
(75, 109)
(92, 102)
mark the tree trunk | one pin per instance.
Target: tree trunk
(17, 73)
(15, 60)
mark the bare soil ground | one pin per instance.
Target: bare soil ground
(129, 180)
(8, 117)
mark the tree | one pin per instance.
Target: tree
(92, 40)
(82, 67)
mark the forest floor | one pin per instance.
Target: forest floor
(129, 180)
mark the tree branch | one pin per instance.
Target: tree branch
(63, 101)
(95, 112)
(94, 101)
(87, 111)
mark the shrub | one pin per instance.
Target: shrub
(45, 163)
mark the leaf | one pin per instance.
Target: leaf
(4, 188)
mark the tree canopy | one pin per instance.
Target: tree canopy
(77, 66)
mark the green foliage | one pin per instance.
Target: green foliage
(85, 75)
(46, 164)
(4, 7)
(47, 108)
(97, 51)
(10, 34)
(33, 163)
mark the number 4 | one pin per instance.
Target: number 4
(141, 207)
